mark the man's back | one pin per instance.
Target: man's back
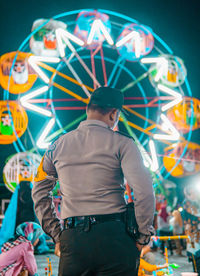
(91, 163)
(88, 164)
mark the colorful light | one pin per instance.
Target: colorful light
(178, 97)
(167, 69)
(65, 35)
(134, 41)
(173, 136)
(151, 60)
(133, 35)
(162, 67)
(41, 141)
(35, 108)
(33, 63)
(93, 27)
(154, 164)
(98, 26)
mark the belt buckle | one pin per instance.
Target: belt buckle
(79, 220)
(93, 219)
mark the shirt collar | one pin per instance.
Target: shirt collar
(93, 122)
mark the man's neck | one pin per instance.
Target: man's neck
(97, 117)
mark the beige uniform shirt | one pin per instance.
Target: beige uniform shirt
(90, 164)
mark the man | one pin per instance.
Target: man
(91, 163)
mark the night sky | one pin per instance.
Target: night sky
(175, 21)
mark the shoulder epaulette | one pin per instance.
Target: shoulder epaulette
(124, 134)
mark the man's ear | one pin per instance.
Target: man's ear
(112, 114)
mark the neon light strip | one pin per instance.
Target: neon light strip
(33, 60)
(93, 67)
(178, 97)
(62, 34)
(51, 69)
(126, 98)
(70, 107)
(62, 52)
(76, 76)
(152, 60)
(167, 125)
(136, 36)
(138, 128)
(163, 66)
(41, 141)
(35, 108)
(114, 70)
(97, 26)
(103, 66)
(76, 96)
(142, 150)
(162, 63)
(131, 84)
(34, 93)
(154, 165)
(71, 124)
(118, 75)
(61, 47)
(81, 62)
(92, 32)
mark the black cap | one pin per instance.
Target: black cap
(107, 97)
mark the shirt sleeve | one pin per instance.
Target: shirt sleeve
(147, 266)
(139, 179)
(44, 183)
(26, 251)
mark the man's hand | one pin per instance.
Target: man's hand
(57, 249)
(139, 246)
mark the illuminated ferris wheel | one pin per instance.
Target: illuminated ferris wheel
(48, 81)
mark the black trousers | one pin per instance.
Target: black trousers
(169, 242)
(104, 250)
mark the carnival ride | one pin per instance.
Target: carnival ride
(47, 83)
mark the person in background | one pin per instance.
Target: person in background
(177, 228)
(19, 210)
(25, 209)
(191, 220)
(147, 262)
(164, 227)
(18, 253)
(148, 256)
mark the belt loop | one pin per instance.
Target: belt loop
(86, 226)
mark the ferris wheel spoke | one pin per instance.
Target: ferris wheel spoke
(53, 70)
(151, 163)
(92, 54)
(115, 67)
(69, 92)
(103, 66)
(76, 76)
(137, 127)
(118, 74)
(131, 84)
(82, 63)
(153, 125)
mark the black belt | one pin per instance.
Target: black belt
(87, 221)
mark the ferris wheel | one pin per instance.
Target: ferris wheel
(48, 81)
